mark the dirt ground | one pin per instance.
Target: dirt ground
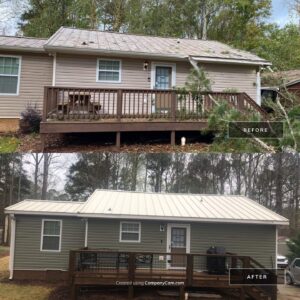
(106, 142)
(288, 292)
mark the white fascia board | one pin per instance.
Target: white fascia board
(184, 219)
(40, 213)
(230, 61)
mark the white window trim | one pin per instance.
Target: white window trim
(42, 235)
(109, 81)
(130, 241)
(162, 64)
(19, 75)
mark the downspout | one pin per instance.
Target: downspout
(12, 246)
(86, 233)
(258, 87)
(54, 70)
(276, 251)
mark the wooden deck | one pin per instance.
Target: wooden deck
(70, 110)
(157, 270)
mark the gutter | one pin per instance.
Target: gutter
(23, 49)
(150, 218)
(230, 61)
(81, 51)
(12, 246)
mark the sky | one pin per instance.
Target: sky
(281, 14)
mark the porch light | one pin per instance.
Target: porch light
(146, 64)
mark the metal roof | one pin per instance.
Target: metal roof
(157, 206)
(45, 207)
(95, 41)
(22, 43)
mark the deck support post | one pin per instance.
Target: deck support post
(43, 141)
(242, 293)
(118, 139)
(173, 135)
(73, 292)
(181, 293)
(130, 292)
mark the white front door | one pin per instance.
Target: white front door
(178, 241)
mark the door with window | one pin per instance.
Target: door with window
(178, 243)
(163, 81)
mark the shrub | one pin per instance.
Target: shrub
(30, 120)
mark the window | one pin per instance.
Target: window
(51, 235)
(130, 232)
(109, 70)
(9, 75)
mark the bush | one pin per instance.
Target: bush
(30, 120)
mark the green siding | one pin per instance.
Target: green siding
(257, 241)
(104, 234)
(28, 241)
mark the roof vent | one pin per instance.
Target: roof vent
(109, 209)
(84, 43)
(92, 42)
(178, 41)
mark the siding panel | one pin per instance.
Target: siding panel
(36, 72)
(257, 241)
(80, 71)
(28, 240)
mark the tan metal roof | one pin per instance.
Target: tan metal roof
(92, 41)
(22, 43)
(158, 206)
(45, 207)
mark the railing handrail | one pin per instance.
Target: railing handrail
(138, 90)
(159, 253)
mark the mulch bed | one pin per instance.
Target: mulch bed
(75, 143)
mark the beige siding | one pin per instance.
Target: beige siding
(223, 76)
(36, 72)
(80, 71)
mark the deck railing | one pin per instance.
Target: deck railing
(66, 103)
(132, 266)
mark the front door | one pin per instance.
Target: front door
(178, 242)
(163, 81)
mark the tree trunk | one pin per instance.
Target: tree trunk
(45, 176)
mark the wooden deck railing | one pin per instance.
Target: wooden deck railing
(66, 103)
(112, 267)
(132, 266)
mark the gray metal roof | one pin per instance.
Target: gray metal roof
(93, 41)
(22, 43)
(157, 206)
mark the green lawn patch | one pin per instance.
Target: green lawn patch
(8, 144)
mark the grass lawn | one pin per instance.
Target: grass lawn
(17, 291)
(8, 144)
(4, 251)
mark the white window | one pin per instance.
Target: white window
(9, 75)
(130, 232)
(109, 70)
(51, 235)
